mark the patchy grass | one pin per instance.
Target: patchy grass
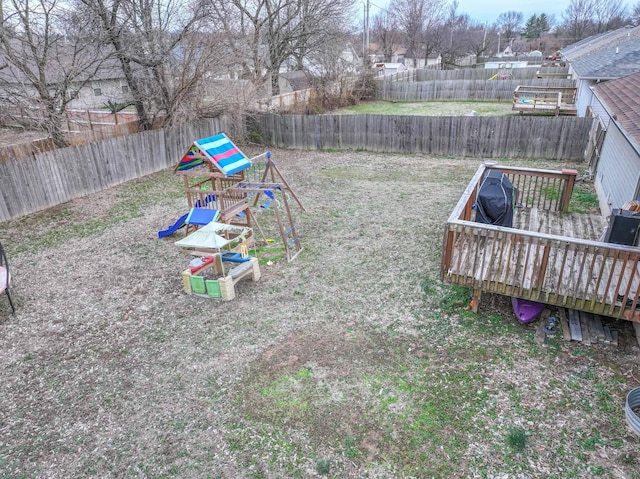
(352, 361)
(430, 108)
(584, 200)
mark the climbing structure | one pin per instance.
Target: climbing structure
(214, 172)
(272, 183)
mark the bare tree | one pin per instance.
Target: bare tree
(46, 54)
(420, 21)
(331, 72)
(510, 24)
(577, 19)
(267, 33)
(455, 43)
(161, 47)
(385, 32)
(635, 14)
(325, 25)
(479, 39)
(608, 15)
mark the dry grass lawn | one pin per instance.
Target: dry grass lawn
(351, 361)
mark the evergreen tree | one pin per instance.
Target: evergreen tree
(536, 26)
(530, 28)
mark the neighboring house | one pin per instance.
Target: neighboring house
(96, 93)
(389, 68)
(107, 85)
(501, 63)
(617, 173)
(293, 81)
(602, 57)
(433, 60)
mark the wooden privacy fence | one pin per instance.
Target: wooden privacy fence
(73, 120)
(49, 178)
(482, 137)
(485, 73)
(290, 100)
(460, 90)
(21, 150)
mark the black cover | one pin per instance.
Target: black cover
(494, 204)
(624, 227)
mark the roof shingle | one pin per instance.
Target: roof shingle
(621, 99)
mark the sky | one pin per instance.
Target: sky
(488, 10)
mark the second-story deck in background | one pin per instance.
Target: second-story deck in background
(542, 99)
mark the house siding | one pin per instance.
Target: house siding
(583, 100)
(110, 90)
(618, 171)
(600, 111)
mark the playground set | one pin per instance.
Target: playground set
(222, 185)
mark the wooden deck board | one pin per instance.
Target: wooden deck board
(497, 259)
(548, 256)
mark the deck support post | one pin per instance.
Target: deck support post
(475, 300)
(568, 189)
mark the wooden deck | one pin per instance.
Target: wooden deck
(535, 99)
(550, 255)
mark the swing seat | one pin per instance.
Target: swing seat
(266, 204)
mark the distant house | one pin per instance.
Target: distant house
(602, 57)
(501, 63)
(389, 68)
(617, 172)
(99, 91)
(294, 81)
(433, 61)
(108, 84)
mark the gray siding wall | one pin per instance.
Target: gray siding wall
(584, 96)
(618, 171)
(600, 111)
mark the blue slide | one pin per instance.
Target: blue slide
(174, 227)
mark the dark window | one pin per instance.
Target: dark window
(97, 92)
(125, 89)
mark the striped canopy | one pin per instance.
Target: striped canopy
(218, 150)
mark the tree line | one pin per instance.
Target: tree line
(428, 27)
(166, 51)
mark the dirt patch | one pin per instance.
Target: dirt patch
(351, 361)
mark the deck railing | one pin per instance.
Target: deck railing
(529, 98)
(576, 273)
(229, 203)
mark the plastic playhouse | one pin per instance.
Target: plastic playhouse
(207, 276)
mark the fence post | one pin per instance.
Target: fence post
(89, 118)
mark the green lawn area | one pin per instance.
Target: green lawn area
(430, 108)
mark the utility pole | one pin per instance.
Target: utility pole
(364, 35)
(367, 27)
(484, 40)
